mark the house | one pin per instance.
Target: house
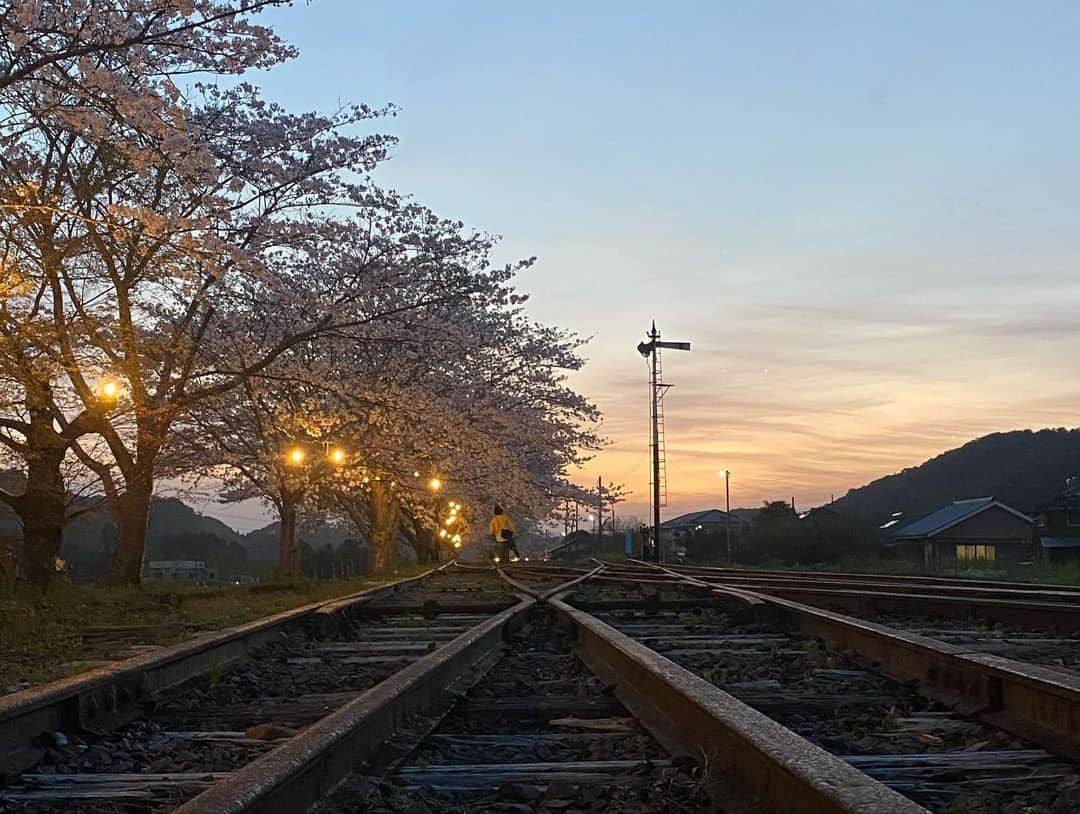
(180, 571)
(1058, 523)
(708, 521)
(976, 529)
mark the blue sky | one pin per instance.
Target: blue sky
(864, 215)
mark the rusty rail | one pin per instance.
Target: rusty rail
(293, 776)
(111, 696)
(689, 715)
(1038, 703)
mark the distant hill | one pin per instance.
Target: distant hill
(170, 516)
(176, 531)
(1022, 468)
(262, 544)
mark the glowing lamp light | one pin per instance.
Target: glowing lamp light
(435, 484)
(296, 456)
(442, 533)
(457, 543)
(457, 539)
(109, 391)
(337, 455)
(498, 559)
(416, 474)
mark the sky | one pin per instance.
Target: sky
(863, 215)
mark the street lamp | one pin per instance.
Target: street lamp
(435, 484)
(295, 456)
(336, 455)
(109, 392)
(726, 475)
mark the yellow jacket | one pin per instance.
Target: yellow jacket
(501, 523)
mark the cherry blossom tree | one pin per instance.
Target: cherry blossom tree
(215, 258)
(86, 86)
(465, 393)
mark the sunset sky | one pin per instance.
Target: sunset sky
(863, 215)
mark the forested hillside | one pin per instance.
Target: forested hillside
(1022, 468)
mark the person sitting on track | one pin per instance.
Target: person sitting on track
(503, 530)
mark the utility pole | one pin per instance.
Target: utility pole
(727, 502)
(652, 349)
(600, 509)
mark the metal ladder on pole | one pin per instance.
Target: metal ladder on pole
(661, 389)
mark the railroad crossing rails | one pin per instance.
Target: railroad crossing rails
(459, 688)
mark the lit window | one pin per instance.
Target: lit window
(975, 552)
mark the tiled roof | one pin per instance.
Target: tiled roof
(712, 516)
(954, 513)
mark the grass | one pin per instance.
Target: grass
(45, 636)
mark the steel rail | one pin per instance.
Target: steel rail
(1034, 702)
(543, 596)
(1055, 610)
(685, 713)
(978, 591)
(689, 715)
(883, 578)
(307, 767)
(112, 695)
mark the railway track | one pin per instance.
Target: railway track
(115, 743)
(534, 688)
(938, 757)
(1020, 605)
(1042, 631)
(538, 730)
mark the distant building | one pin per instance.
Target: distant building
(976, 529)
(180, 571)
(576, 545)
(710, 520)
(1058, 523)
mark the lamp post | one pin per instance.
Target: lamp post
(726, 475)
(303, 467)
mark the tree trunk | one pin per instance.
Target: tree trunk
(41, 507)
(385, 514)
(41, 511)
(288, 548)
(133, 514)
